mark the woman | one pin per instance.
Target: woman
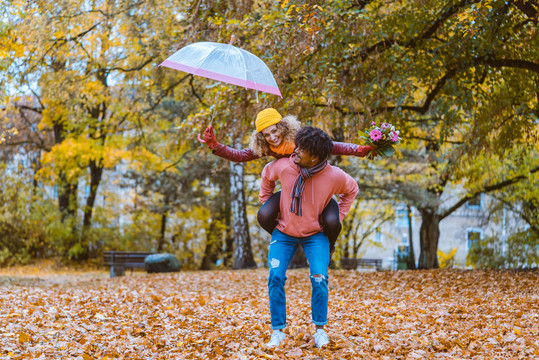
(274, 136)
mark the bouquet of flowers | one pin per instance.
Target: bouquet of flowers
(383, 137)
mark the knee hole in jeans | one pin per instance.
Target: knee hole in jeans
(318, 277)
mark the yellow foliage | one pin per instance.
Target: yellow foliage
(53, 113)
(446, 259)
(73, 155)
(143, 160)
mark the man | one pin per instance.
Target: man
(308, 183)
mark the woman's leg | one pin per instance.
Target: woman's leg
(282, 249)
(331, 223)
(268, 213)
(316, 248)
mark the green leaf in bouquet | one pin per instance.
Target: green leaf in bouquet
(366, 139)
(371, 155)
(362, 134)
(389, 151)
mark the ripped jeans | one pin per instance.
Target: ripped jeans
(281, 251)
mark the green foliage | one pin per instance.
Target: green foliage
(25, 221)
(521, 251)
(60, 234)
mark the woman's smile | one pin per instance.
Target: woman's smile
(272, 135)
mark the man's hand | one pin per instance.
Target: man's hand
(209, 138)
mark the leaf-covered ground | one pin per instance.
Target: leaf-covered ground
(225, 315)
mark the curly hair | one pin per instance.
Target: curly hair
(315, 141)
(289, 126)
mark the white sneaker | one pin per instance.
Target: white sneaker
(276, 338)
(320, 338)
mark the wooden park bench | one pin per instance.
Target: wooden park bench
(354, 263)
(118, 261)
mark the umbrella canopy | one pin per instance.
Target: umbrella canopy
(226, 63)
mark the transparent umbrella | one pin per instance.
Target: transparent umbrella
(226, 63)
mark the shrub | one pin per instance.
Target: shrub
(521, 252)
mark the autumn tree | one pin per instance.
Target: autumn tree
(232, 110)
(458, 78)
(86, 67)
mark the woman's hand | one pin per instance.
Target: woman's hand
(209, 138)
(363, 151)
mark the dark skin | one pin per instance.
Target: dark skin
(305, 159)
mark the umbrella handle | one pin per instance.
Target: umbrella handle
(199, 139)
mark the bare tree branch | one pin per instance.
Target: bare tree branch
(430, 96)
(486, 190)
(136, 68)
(30, 108)
(164, 94)
(194, 93)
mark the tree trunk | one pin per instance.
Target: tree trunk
(67, 192)
(347, 229)
(229, 237)
(345, 249)
(96, 173)
(211, 252)
(429, 234)
(163, 230)
(411, 254)
(243, 253)
(36, 166)
(67, 197)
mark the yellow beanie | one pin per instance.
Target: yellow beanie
(266, 118)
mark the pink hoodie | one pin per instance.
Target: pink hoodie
(318, 192)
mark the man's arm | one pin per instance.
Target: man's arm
(348, 192)
(267, 183)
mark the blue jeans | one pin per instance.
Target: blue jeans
(281, 251)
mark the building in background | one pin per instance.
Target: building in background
(458, 232)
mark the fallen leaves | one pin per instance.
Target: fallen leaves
(225, 315)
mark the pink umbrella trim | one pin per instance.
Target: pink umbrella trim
(224, 78)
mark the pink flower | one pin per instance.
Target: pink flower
(395, 137)
(373, 123)
(375, 135)
(385, 126)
